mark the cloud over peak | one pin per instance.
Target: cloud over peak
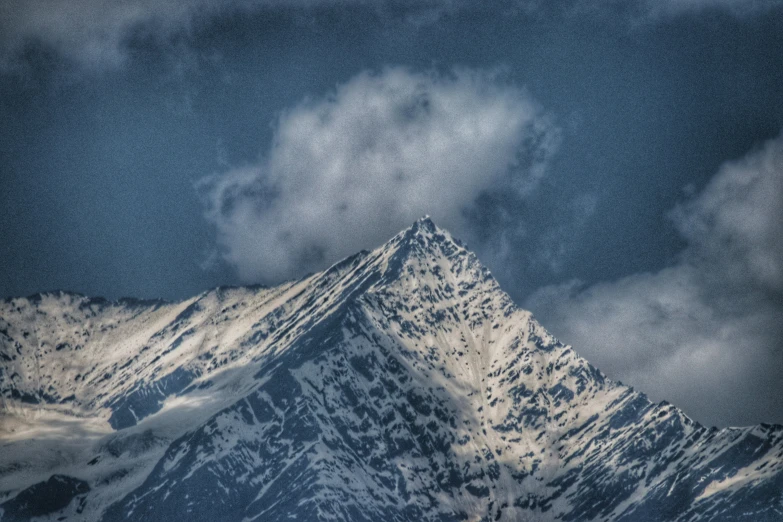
(349, 170)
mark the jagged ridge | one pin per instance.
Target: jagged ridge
(399, 384)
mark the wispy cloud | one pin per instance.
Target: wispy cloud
(349, 170)
(740, 8)
(90, 32)
(644, 12)
(95, 33)
(707, 332)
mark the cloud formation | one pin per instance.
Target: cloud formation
(95, 33)
(645, 12)
(707, 332)
(348, 171)
(91, 32)
(736, 7)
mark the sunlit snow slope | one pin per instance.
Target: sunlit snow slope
(400, 384)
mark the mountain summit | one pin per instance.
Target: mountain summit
(399, 384)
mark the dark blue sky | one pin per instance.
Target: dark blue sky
(164, 152)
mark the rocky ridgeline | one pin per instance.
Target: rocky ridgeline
(400, 384)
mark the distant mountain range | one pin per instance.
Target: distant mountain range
(400, 384)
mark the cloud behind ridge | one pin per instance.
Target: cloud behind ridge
(707, 332)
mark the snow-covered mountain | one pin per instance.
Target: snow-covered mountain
(399, 384)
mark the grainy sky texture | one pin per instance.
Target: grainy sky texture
(617, 164)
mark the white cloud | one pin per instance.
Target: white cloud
(736, 224)
(348, 171)
(706, 333)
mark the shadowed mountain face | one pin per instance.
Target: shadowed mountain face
(400, 384)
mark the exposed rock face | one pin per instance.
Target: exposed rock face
(46, 498)
(400, 384)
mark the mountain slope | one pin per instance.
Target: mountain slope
(400, 384)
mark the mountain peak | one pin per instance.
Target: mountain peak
(399, 384)
(424, 231)
(430, 247)
(424, 223)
